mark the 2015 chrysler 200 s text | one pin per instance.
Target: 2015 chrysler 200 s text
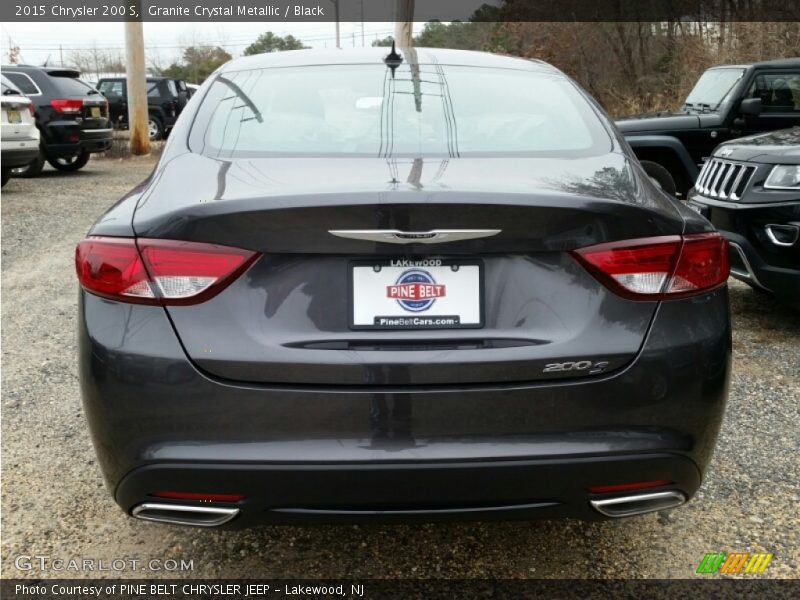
(434, 284)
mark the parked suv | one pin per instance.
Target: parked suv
(20, 138)
(165, 99)
(71, 115)
(727, 102)
(750, 190)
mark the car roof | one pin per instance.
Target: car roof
(64, 71)
(778, 63)
(122, 77)
(348, 56)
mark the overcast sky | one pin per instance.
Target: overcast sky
(37, 41)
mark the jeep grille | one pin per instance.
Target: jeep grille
(724, 179)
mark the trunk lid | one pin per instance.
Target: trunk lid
(288, 319)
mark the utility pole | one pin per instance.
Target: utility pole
(363, 41)
(404, 23)
(137, 89)
(336, 15)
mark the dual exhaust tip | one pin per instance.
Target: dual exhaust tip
(638, 504)
(184, 514)
(628, 505)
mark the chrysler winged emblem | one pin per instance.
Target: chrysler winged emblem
(395, 236)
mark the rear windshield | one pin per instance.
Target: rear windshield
(70, 86)
(7, 87)
(23, 82)
(362, 110)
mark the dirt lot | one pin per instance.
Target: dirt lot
(54, 503)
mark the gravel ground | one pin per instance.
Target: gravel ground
(54, 502)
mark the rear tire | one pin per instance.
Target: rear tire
(660, 176)
(5, 176)
(70, 163)
(32, 169)
(155, 129)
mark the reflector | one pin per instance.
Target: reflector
(199, 496)
(626, 487)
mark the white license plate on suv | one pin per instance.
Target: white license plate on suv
(416, 294)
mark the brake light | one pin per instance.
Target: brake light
(66, 106)
(31, 109)
(660, 267)
(150, 271)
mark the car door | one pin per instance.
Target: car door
(115, 91)
(779, 92)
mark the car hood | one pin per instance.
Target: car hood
(655, 122)
(782, 146)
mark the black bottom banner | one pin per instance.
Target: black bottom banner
(232, 589)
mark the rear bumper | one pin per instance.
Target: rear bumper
(428, 491)
(66, 138)
(18, 153)
(406, 452)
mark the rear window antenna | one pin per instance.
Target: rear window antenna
(393, 59)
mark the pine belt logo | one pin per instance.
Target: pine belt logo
(734, 563)
(415, 290)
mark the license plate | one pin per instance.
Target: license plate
(14, 116)
(416, 294)
(95, 112)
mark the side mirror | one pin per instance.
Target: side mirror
(750, 107)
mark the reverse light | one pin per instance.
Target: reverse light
(659, 268)
(151, 271)
(67, 106)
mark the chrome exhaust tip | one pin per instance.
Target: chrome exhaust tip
(182, 514)
(638, 504)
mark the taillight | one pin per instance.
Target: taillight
(31, 109)
(661, 267)
(66, 106)
(151, 271)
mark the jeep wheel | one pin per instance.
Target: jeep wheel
(660, 176)
(70, 163)
(155, 129)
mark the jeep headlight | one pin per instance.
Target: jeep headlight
(784, 177)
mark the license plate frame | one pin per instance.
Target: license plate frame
(17, 117)
(95, 112)
(396, 267)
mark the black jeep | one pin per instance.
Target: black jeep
(727, 102)
(750, 190)
(165, 100)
